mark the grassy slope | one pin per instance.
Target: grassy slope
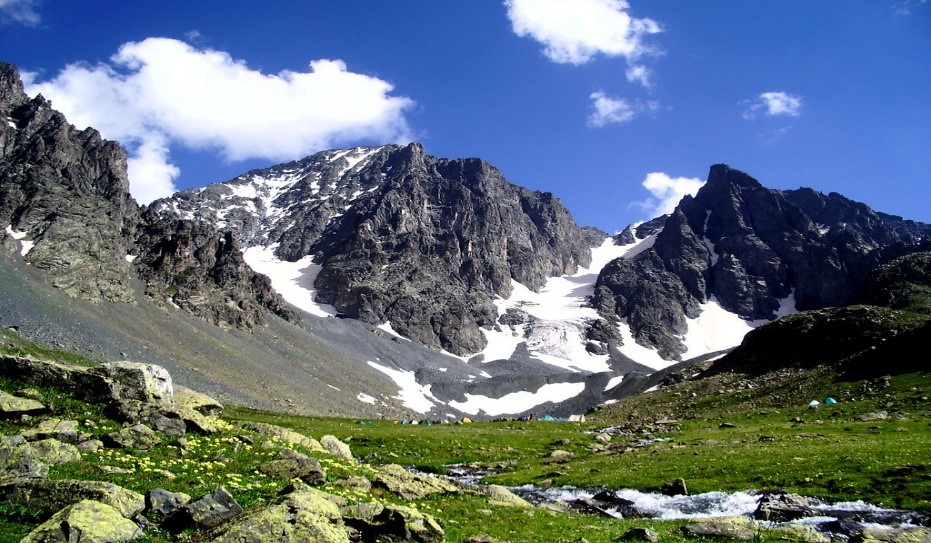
(730, 434)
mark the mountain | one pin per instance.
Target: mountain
(382, 281)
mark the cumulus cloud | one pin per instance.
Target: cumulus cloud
(577, 31)
(22, 12)
(773, 104)
(905, 7)
(666, 193)
(638, 73)
(161, 92)
(608, 110)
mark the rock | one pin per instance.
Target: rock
(19, 459)
(676, 487)
(846, 527)
(191, 399)
(62, 430)
(904, 535)
(48, 495)
(724, 527)
(483, 538)
(783, 507)
(87, 521)
(209, 511)
(796, 532)
(499, 495)
(90, 445)
(603, 437)
(376, 522)
(560, 457)
(137, 436)
(13, 407)
(640, 534)
(337, 448)
(608, 499)
(163, 502)
(295, 465)
(288, 436)
(300, 516)
(355, 483)
(54, 452)
(147, 383)
(197, 422)
(410, 486)
(874, 416)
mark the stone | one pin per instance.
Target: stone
(377, 522)
(48, 496)
(483, 538)
(783, 507)
(191, 399)
(12, 407)
(284, 434)
(560, 457)
(355, 483)
(873, 416)
(640, 534)
(87, 521)
(162, 502)
(137, 436)
(337, 448)
(54, 452)
(147, 383)
(796, 532)
(302, 515)
(197, 422)
(19, 459)
(723, 527)
(904, 535)
(603, 437)
(410, 486)
(676, 487)
(295, 465)
(209, 511)
(501, 496)
(64, 430)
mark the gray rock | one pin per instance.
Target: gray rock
(640, 534)
(725, 527)
(210, 511)
(19, 459)
(337, 448)
(147, 383)
(54, 452)
(85, 522)
(676, 487)
(295, 465)
(783, 507)
(137, 436)
(499, 495)
(410, 486)
(163, 502)
(15, 407)
(49, 496)
(377, 522)
(191, 399)
(67, 431)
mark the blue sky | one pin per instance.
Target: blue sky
(615, 107)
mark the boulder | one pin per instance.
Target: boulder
(796, 532)
(162, 502)
(676, 487)
(210, 511)
(783, 507)
(302, 515)
(147, 383)
(499, 495)
(560, 457)
(904, 535)
(640, 534)
(392, 523)
(138, 436)
(54, 452)
(49, 496)
(337, 448)
(191, 399)
(295, 465)
(61, 429)
(85, 522)
(410, 486)
(288, 436)
(14, 407)
(355, 483)
(724, 527)
(19, 459)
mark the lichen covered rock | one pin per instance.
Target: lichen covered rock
(85, 522)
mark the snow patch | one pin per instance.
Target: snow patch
(294, 281)
(613, 382)
(131, 258)
(517, 402)
(25, 245)
(386, 326)
(413, 395)
(365, 398)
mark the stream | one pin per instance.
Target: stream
(828, 518)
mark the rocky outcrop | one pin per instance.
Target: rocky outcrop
(401, 236)
(66, 209)
(903, 283)
(750, 249)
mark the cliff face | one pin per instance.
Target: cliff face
(403, 237)
(64, 194)
(751, 249)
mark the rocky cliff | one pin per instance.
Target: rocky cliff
(401, 237)
(65, 203)
(752, 250)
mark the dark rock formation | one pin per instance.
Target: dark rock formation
(748, 248)
(65, 202)
(904, 283)
(424, 243)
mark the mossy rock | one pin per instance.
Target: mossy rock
(410, 486)
(49, 496)
(87, 521)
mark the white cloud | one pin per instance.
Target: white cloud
(609, 110)
(667, 192)
(904, 7)
(161, 92)
(21, 12)
(773, 104)
(638, 73)
(574, 32)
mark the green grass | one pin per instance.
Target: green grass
(727, 434)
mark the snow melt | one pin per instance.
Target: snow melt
(294, 281)
(518, 402)
(413, 395)
(25, 245)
